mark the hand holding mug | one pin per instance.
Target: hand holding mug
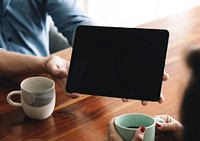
(113, 135)
(170, 130)
(133, 126)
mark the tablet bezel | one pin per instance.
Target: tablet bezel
(99, 52)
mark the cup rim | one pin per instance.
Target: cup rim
(133, 114)
(38, 77)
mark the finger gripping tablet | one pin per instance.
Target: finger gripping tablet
(118, 62)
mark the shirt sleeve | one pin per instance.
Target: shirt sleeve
(2, 44)
(67, 16)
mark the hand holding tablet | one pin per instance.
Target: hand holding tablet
(118, 62)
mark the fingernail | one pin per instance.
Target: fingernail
(157, 124)
(142, 129)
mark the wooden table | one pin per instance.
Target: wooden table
(85, 118)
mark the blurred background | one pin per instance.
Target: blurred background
(125, 13)
(130, 13)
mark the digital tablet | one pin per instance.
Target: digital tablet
(118, 62)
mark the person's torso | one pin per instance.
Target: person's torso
(24, 27)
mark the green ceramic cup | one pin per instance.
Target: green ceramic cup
(127, 124)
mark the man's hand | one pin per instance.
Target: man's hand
(161, 100)
(58, 69)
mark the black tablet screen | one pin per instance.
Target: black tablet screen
(118, 62)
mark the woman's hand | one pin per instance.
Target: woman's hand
(112, 134)
(171, 130)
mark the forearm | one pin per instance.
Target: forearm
(14, 64)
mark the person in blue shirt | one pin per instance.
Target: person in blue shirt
(15, 66)
(24, 24)
(24, 35)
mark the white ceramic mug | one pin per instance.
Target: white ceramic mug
(37, 97)
(127, 124)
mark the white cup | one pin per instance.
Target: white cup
(37, 97)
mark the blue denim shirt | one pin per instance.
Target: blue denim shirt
(24, 24)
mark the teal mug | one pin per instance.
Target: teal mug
(127, 124)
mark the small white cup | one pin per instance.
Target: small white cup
(37, 97)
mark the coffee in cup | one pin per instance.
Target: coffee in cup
(127, 124)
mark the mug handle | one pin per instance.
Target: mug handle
(158, 119)
(9, 100)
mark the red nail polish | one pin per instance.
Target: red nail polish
(142, 129)
(157, 124)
